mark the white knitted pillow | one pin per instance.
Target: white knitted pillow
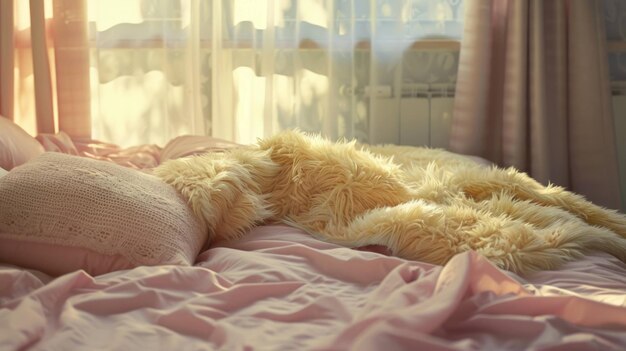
(79, 213)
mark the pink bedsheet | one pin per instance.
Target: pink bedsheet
(144, 157)
(280, 289)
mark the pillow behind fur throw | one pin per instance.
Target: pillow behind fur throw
(16, 146)
(428, 207)
(60, 213)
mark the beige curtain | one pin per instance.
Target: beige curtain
(44, 66)
(533, 92)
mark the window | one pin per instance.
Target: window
(247, 68)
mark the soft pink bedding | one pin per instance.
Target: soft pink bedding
(280, 289)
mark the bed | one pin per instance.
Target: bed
(278, 288)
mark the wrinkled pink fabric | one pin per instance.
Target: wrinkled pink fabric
(138, 157)
(142, 157)
(280, 289)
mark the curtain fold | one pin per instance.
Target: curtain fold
(6, 58)
(533, 92)
(45, 112)
(44, 65)
(71, 52)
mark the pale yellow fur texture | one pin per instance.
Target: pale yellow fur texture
(423, 204)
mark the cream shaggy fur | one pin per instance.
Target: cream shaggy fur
(427, 205)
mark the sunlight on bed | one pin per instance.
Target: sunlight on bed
(609, 296)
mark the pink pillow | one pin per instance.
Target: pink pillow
(16, 146)
(60, 213)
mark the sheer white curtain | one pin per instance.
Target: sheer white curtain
(243, 69)
(146, 69)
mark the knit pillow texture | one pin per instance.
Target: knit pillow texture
(60, 213)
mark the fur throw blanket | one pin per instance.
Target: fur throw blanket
(423, 204)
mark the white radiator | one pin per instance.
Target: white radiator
(384, 121)
(419, 115)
